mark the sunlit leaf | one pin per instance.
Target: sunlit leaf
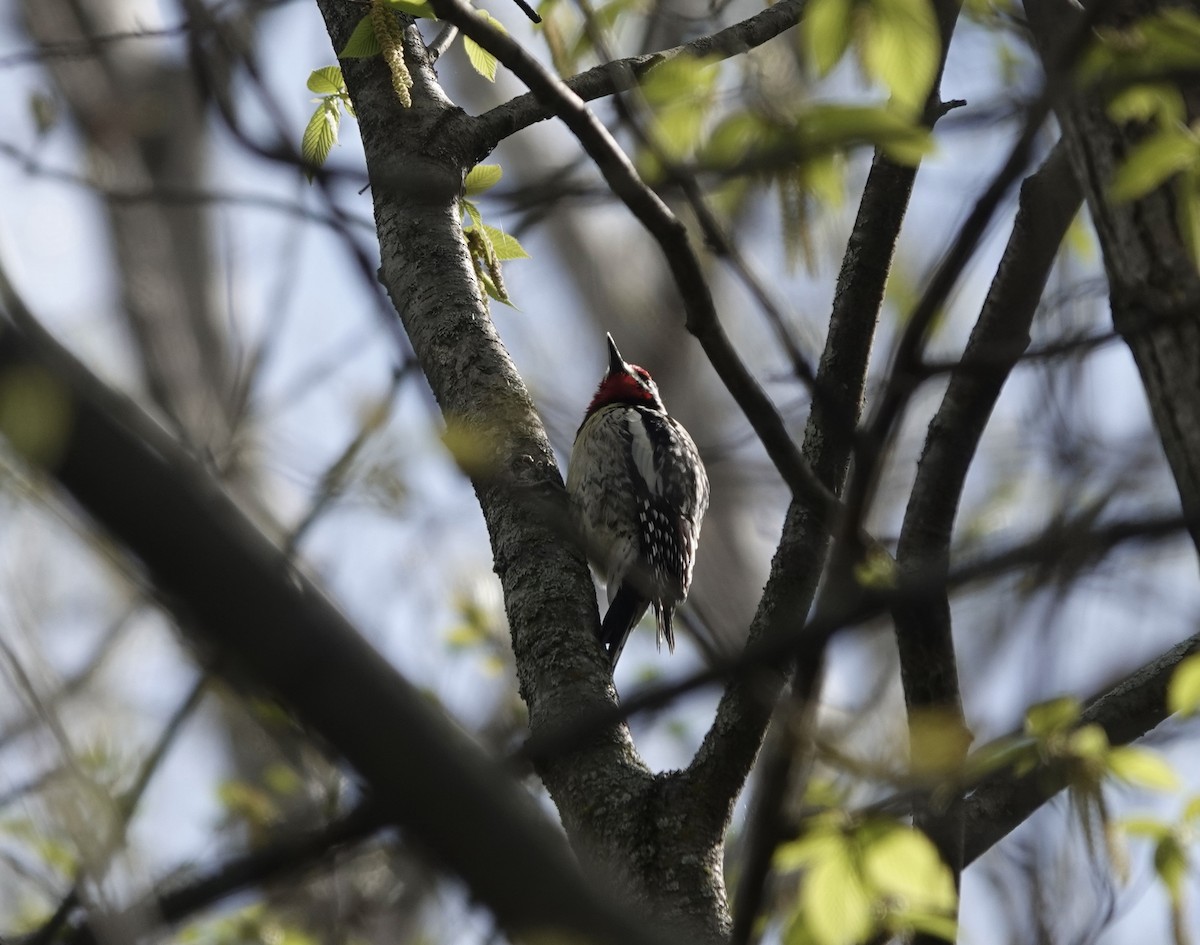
(901, 46)
(938, 740)
(825, 31)
(1052, 716)
(903, 864)
(482, 177)
(876, 569)
(1143, 768)
(837, 908)
(326, 81)
(1183, 692)
(1171, 864)
(321, 134)
(505, 245)
(481, 60)
(1152, 162)
(1145, 827)
(1090, 743)
(1147, 102)
(826, 127)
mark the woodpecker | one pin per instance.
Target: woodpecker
(639, 491)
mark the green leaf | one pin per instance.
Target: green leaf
(363, 43)
(825, 32)
(1145, 827)
(327, 81)
(901, 46)
(482, 177)
(1052, 717)
(504, 245)
(1146, 102)
(1183, 692)
(835, 127)
(418, 8)
(837, 908)
(1171, 864)
(481, 60)
(904, 865)
(1153, 161)
(1090, 743)
(473, 213)
(1142, 768)
(321, 134)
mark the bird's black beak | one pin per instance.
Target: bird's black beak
(616, 363)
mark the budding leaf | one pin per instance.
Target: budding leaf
(481, 60)
(482, 177)
(327, 81)
(321, 134)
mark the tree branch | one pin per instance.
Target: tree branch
(1128, 711)
(1049, 201)
(238, 594)
(732, 743)
(608, 78)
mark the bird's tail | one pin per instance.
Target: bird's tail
(664, 617)
(623, 615)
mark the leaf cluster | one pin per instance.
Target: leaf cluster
(857, 879)
(1136, 65)
(489, 246)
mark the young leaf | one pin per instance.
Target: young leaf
(504, 245)
(837, 907)
(1051, 717)
(904, 865)
(1183, 692)
(481, 60)
(327, 81)
(900, 48)
(1142, 768)
(473, 213)
(321, 134)
(1153, 161)
(363, 43)
(482, 177)
(825, 32)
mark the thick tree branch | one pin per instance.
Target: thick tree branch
(1154, 287)
(732, 744)
(1049, 201)
(239, 595)
(416, 158)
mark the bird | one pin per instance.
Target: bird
(638, 491)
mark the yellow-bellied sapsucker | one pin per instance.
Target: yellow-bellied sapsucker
(640, 491)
